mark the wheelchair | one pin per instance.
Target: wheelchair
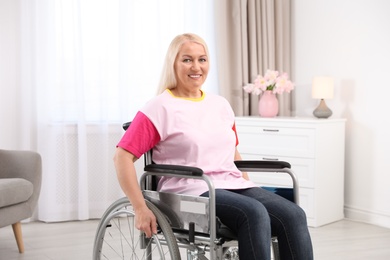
(187, 225)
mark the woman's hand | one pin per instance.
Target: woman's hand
(245, 176)
(146, 221)
(237, 157)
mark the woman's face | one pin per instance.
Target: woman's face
(191, 67)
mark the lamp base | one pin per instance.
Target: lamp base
(322, 111)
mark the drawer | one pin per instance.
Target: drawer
(303, 169)
(279, 141)
(306, 201)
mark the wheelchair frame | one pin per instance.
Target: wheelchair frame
(173, 237)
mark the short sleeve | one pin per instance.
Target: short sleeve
(235, 132)
(140, 137)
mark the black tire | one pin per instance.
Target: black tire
(118, 238)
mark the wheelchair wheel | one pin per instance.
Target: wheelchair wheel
(118, 238)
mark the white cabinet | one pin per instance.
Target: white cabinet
(315, 150)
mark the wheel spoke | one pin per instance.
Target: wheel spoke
(117, 237)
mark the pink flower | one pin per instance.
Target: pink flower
(271, 81)
(260, 83)
(271, 76)
(249, 88)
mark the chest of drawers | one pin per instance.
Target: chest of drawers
(315, 150)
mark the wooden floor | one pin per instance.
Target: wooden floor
(344, 240)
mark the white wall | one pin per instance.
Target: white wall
(9, 67)
(350, 40)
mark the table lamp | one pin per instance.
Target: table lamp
(322, 88)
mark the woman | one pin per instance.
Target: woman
(186, 126)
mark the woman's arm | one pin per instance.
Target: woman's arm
(124, 165)
(237, 157)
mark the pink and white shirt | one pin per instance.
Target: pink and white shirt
(191, 132)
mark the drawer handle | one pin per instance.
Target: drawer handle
(270, 159)
(270, 130)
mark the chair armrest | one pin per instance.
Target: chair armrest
(23, 164)
(271, 166)
(262, 164)
(169, 169)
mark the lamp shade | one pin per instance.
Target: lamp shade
(322, 87)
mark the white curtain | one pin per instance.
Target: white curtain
(87, 67)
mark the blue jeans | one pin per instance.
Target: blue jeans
(254, 214)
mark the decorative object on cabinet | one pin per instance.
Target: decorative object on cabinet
(268, 86)
(315, 150)
(268, 104)
(322, 88)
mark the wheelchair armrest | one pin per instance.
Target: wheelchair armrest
(271, 166)
(174, 169)
(262, 164)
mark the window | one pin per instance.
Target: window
(107, 57)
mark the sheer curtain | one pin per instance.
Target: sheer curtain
(88, 66)
(252, 36)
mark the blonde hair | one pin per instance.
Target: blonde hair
(168, 76)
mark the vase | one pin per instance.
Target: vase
(268, 104)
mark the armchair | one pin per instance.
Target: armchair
(20, 184)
